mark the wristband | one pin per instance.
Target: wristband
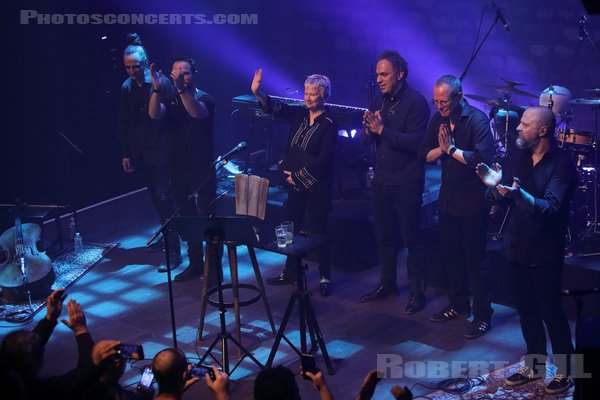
(180, 93)
(451, 151)
(155, 90)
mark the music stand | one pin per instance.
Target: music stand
(303, 243)
(216, 230)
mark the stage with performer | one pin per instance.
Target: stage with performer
(314, 200)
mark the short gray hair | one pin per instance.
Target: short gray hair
(320, 81)
(452, 81)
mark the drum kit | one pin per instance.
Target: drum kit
(582, 145)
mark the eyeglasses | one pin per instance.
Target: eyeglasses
(441, 102)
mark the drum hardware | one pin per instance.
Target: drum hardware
(588, 177)
(506, 117)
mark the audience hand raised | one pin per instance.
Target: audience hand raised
(255, 87)
(76, 321)
(54, 304)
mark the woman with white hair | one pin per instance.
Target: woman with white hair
(307, 166)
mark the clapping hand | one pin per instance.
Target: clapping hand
(510, 191)
(373, 121)
(491, 177)
(156, 77)
(178, 81)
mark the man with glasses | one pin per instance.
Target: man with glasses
(143, 140)
(396, 123)
(459, 136)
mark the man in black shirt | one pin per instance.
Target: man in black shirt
(190, 114)
(143, 138)
(539, 189)
(396, 122)
(460, 137)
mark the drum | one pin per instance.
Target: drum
(556, 97)
(514, 118)
(574, 138)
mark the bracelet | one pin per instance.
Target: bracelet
(155, 90)
(180, 93)
(451, 151)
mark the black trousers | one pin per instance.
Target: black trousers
(538, 303)
(399, 208)
(466, 262)
(158, 180)
(184, 183)
(312, 210)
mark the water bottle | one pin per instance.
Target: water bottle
(370, 177)
(72, 228)
(77, 243)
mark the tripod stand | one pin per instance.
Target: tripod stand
(218, 230)
(303, 243)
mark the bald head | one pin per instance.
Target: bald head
(544, 116)
(169, 366)
(536, 130)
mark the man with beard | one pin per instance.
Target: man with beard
(189, 114)
(539, 189)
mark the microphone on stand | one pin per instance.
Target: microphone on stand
(501, 17)
(582, 22)
(239, 147)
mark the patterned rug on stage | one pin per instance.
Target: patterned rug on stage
(491, 386)
(68, 268)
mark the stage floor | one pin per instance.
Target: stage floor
(124, 298)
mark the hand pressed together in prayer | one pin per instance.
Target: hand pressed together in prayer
(445, 138)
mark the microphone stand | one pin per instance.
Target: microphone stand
(73, 162)
(474, 55)
(590, 38)
(164, 229)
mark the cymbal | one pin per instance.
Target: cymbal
(484, 100)
(597, 90)
(555, 91)
(509, 89)
(496, 103)
(589, 102)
